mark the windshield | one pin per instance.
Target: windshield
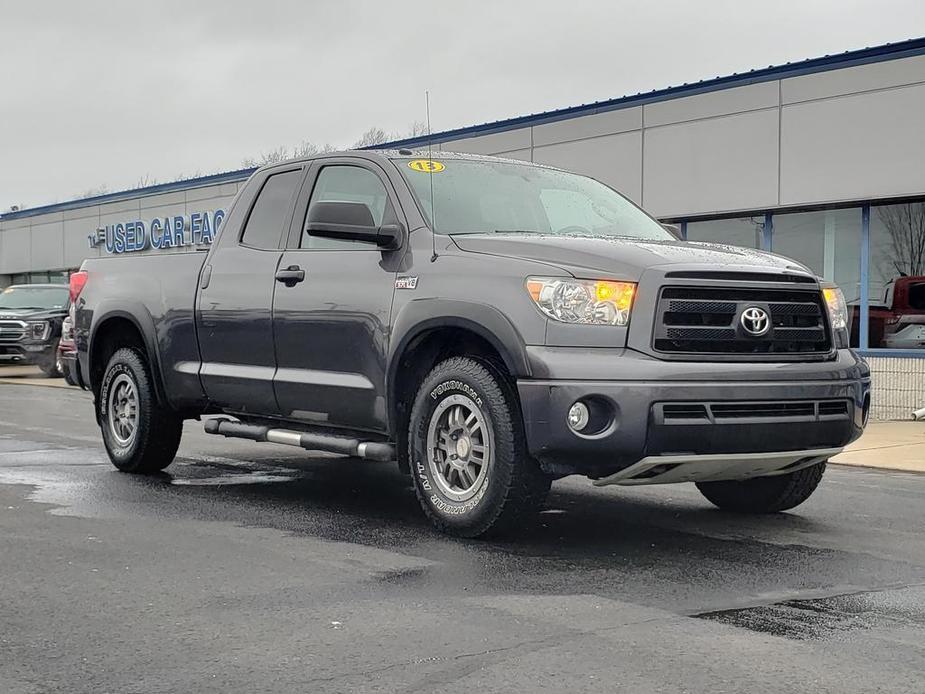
(484, 196)
(24, 297)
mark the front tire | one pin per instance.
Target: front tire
(140, 435)
(51, 366)
(471, 470)
(764, 494)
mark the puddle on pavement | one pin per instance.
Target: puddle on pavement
(230, 479)
(211, 471)
(827, 618)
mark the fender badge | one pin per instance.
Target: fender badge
(406, 282)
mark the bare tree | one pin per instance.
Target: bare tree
(145, 181)
(372, 137)
(417, 129)
(93, 192)
(272, 157)
(282, 153)
(905, 224)
(378, 136)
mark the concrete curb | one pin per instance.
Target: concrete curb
(43, 382)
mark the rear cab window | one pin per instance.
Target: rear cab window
(264, 226)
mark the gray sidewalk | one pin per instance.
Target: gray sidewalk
(889, 445)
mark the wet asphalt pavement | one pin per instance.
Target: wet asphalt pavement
(256, 568)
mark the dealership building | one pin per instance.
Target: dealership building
(821, 160)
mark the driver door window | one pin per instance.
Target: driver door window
(348, 184)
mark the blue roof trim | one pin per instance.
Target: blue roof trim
(874, 54)
(187, 184)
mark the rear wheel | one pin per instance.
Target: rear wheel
(468, 457)
(140, 435)
(764, 494)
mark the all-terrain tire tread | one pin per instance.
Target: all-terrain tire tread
(525, 487)
(160, 428)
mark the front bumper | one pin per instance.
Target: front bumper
(777, 408)
(26, 352)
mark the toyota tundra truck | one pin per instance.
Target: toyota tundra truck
(491, 325)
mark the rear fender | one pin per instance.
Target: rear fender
(136, 313)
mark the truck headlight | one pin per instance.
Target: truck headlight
(590, 302)
(39, 330)
(838, 308)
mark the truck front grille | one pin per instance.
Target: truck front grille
(708, 320)
(12, 331)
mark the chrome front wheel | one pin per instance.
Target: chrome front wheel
(459, 443)
(471, 469)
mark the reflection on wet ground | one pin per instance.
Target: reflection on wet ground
(827, 618)
(661, 546)
(236, 544)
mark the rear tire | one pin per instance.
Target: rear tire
(140, 435)
(764, 494)
(471, 470)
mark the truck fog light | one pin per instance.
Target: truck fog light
(578, 416)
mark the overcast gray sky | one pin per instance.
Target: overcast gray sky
(104, 93)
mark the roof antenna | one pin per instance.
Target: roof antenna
(430, 159)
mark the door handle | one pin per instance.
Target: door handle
(291, 276)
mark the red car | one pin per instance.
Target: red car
(898, 322)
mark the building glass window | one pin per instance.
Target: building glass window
(51, 277)
(827, 242)
(740, 231)
(897, 276)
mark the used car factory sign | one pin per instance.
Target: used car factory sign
(159, 233)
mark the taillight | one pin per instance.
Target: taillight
(78, 280)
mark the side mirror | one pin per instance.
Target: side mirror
(352, 221)
(674, 230)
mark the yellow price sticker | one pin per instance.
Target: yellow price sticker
(426, 165)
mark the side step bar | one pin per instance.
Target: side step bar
(369, 450)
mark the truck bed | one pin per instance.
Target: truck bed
(158, 293)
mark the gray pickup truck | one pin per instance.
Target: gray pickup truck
(492, 325)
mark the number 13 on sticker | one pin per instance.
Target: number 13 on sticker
(426, 165)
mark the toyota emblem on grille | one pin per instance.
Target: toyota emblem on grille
(755, 321)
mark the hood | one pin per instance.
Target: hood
(32, 314)
(622, 258)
